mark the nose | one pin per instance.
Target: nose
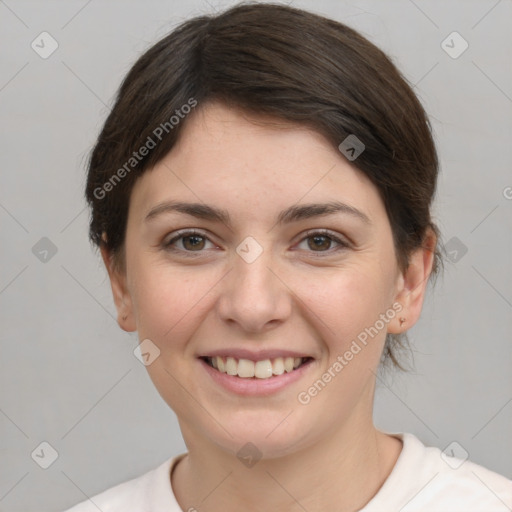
(253, 296)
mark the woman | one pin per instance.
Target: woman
(261, 196)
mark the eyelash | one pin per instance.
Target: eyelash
(310, 234)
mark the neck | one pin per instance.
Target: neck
(341, 471)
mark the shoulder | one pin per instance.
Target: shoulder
(145, 492)
(444, 481)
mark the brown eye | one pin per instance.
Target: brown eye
(188, 242)
(319, 242)
(193, 242)
(323, 242)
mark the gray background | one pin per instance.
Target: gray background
(68, 373)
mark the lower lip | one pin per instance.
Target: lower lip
(255, 386)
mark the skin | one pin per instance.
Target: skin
(326, 455)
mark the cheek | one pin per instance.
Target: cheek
(170, 307)
(169, 303)
(344, 303)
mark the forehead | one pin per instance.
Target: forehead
(228, 155)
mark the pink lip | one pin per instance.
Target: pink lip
(254, 386)
(259, 355)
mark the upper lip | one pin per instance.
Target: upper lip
(260, 355)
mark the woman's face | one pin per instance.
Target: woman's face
(278, 275)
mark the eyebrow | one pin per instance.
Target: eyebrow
(292, 214)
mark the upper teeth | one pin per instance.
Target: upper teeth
(261, 369)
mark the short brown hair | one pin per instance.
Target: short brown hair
(280, 61)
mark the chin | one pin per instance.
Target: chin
(268, 434)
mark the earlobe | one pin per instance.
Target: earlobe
(120, 293)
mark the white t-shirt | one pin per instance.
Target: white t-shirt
(423, 479)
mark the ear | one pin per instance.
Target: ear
(412, 285)
(122, 297)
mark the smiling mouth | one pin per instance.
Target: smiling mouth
(264, 369)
